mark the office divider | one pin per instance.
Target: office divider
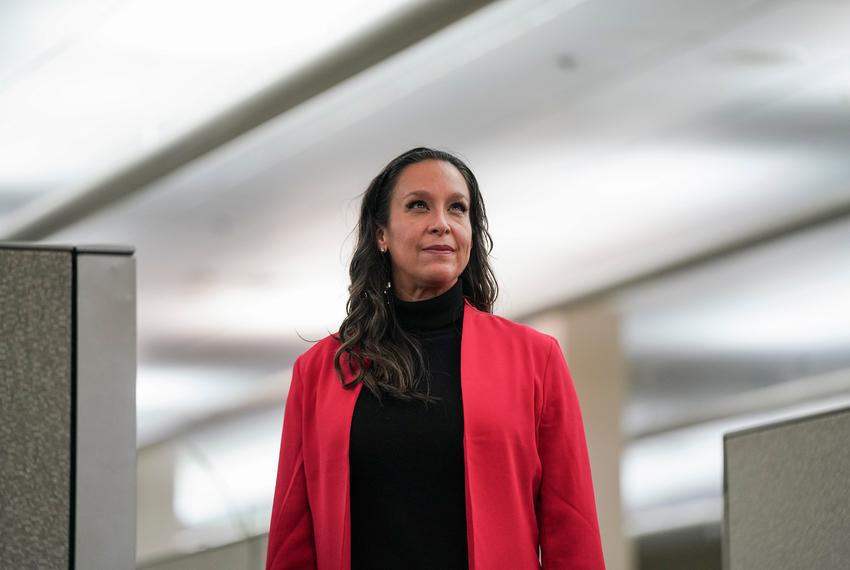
(67, 407)
(787, 495)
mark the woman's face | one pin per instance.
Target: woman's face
(429, 206)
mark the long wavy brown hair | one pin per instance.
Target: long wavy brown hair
(396, 364)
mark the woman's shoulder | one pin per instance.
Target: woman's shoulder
(319, 361)
(322, 349)
(505, 328)
(492, 325)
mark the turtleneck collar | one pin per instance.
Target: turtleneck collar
(433, 313)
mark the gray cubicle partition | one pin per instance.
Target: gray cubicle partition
(67, 407)
(787, 495)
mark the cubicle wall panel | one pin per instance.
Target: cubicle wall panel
(35, 399)
(788, 495)
(106, 396)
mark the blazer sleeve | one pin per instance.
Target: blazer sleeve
(291, 540)
(566, 507)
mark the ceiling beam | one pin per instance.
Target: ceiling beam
(836, 213)
(60, 210)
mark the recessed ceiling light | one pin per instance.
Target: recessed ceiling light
(566, 61)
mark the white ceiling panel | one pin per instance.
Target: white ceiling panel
(610, 138)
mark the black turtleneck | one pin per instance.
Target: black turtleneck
(408, 506)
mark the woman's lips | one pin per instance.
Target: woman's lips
(440, 251)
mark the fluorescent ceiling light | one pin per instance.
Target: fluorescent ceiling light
(687, 464)
(309, 303)
(186, 389)
(786, 296)
(146, 72)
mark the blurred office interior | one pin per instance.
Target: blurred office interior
(666, 184)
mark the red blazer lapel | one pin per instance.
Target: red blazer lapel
(473, 385)
(332, 420)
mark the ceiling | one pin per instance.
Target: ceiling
(610, 139)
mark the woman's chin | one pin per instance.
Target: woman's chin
(439, 278)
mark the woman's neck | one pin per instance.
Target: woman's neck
(432, 313)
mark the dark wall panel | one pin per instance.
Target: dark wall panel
(35, 400)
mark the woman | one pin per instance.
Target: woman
(487, 469)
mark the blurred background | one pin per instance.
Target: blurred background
(666, 183)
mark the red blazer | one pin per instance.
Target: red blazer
(528, 480)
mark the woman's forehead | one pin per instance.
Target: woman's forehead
(433, 171)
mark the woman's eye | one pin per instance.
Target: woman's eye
(414, 205)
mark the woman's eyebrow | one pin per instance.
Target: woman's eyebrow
(427, 193)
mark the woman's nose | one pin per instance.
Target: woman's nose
(440, 226)
(439, 222)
